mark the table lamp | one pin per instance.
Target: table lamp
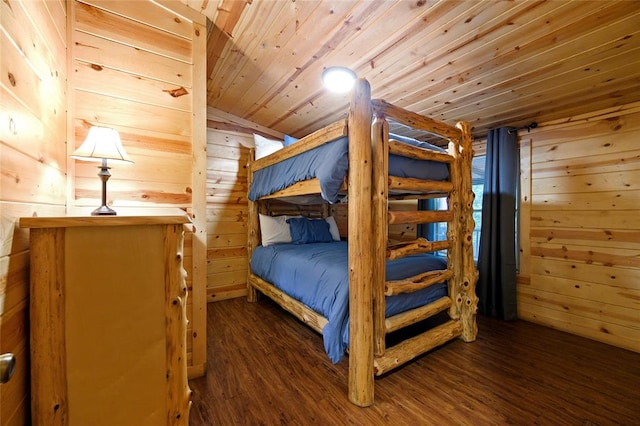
(102, 144)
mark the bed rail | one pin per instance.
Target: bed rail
(399, 148)
(416, 121)
(300, 311)
(314, 140)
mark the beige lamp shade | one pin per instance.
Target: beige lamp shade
(102, 143)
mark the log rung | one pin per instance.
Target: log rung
(430, 216)
(409, 349)
(413, 316)
(419, 185)
(417, 282)
(420, 245)
(410, 151)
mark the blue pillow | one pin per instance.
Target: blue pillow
(305, 230)
(288, 140)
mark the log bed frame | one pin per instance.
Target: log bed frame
(369, 146)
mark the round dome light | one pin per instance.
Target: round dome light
(338, 79)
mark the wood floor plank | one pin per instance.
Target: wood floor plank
(266, 368)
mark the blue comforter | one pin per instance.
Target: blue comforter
(329, 163)
(318, 276)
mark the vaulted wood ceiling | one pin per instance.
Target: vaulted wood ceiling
(492, 63)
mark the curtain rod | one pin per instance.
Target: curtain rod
(532, 125)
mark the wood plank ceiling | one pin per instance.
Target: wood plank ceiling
(492, 63)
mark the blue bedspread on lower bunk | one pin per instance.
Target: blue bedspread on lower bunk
(318, 276)
(329, 163)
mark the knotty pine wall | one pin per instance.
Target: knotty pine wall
(36, 176)
(139, 67)
(33, 162)
(228, 142)
(580, 233)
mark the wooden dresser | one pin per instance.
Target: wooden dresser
(108, 321)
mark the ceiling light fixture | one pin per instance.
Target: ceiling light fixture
(338, 79)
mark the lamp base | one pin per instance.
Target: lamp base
(103, 211)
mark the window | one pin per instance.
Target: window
(438, 231)
(477, 186)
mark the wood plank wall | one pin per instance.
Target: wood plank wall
(33, 164)
(140, 69)
(228, 141)
(580, 234)
(34, 129)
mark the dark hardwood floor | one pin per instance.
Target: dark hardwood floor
(267, 368)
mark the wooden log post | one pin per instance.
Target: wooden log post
(253, 231)
(454, 259)
(380, 155)
(467, 291)
(178, 392)
(361, 379)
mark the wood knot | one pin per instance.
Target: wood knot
(96, 67)
(176, 93)
(12, 79)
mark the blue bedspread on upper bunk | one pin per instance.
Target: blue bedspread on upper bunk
(329, 163)
(318, 276)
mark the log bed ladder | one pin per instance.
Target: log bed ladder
(460, 278)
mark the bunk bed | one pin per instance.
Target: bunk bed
(383, 285)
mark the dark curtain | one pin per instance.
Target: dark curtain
(496, 287)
